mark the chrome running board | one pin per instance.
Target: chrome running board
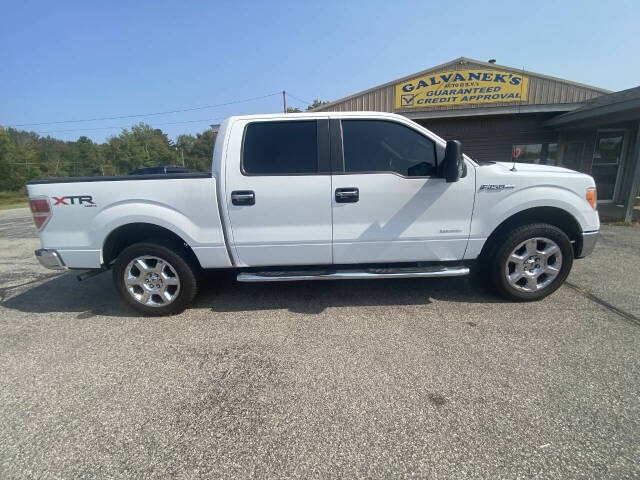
(364, 274)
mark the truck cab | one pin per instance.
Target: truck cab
(353, 190)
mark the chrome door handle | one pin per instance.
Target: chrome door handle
(243, 197)
(347, 195)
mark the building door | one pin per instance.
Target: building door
(572, 157)
(607, 162)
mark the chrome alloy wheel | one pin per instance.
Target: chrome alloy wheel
(533, 264)
(152, 281)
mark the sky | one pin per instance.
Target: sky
(73, 60)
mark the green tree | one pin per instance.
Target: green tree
(196, 152)
(316, 103)
(8, 178)
(25, 161)
(141, 147)
(86, 158)
(52, 159)
(26, 155)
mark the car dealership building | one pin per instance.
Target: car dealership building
(508, 114)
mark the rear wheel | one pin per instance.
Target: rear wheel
(530, 262)
(154, 279)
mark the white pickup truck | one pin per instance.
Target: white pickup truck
(360, 195)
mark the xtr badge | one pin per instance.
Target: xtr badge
(84, 200)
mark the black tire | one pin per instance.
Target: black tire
(497, 261)
(179, 265)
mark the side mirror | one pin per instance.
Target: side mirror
(453, 163)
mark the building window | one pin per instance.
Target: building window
(607, 159)
(538, 153)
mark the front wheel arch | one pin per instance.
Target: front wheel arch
(554, 216)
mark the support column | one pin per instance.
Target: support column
(630, 199)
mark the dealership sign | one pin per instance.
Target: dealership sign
(461, 87)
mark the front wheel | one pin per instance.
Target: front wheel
(531, 262)
(154, 279)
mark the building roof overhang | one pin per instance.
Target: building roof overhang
(481, 112)
(628, 109)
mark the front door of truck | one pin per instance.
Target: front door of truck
(279, 187)
(390, 203)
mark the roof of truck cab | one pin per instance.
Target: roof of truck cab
(318, 115)
(290, 116)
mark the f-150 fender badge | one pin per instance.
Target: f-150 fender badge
(492, 187)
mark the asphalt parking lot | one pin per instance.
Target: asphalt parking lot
(398, 378)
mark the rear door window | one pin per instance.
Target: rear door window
(280, 148)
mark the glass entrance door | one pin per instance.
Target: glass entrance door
(572, 157)
(607, 159)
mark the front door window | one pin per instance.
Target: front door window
(382, 146)
(607, 159)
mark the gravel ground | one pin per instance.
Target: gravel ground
(398, 378)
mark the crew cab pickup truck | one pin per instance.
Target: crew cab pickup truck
(359, 195)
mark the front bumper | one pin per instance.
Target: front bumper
(589, 240)
(50, 259)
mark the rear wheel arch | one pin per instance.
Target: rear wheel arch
(554, 216)
(126, 235)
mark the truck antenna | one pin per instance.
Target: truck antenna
(513, 168)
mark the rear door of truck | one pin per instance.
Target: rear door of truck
(278, 181)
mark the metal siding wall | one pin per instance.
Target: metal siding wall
(541, 91)
(492, 138)
(564, 96)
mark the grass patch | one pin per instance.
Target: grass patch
(13, 200)
(618, 223)
(8, 206)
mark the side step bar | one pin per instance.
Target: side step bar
(364, 274)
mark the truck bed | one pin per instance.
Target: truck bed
(85, 211)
